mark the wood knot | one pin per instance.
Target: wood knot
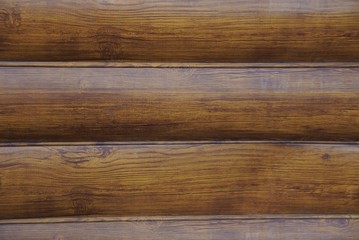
(82, 200)
(83, 154)
(109, 42)
(11, 17)
(326, 157)
(339, 223)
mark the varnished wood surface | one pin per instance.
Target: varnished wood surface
(86, 219)
(179, 179)
(160, 104)
(122, 64)
(317, 228)
(180, 31)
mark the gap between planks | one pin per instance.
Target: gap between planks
(149, 143)
(178, 218)
(108, 64)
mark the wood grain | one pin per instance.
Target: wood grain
(160, 104)
(180, 31)
(205, 229)
(129, 64)
(179, 179)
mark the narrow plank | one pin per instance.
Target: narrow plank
(180, 31)
(179, 179)
(236, 229)
(124, 143)
(160, 104)
(122, 64)
(86, 219)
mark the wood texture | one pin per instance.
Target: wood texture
(179, 179)
(206, 229)
(180, 31)
(141, 104)
(129, 64)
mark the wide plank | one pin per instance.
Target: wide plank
(207, 228)
(180, 31)
(150, 179)
(160, 104)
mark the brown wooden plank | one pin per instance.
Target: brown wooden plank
(159, 104)
(205, 229)
(85, 219)
(179, 179)
(122, 64)
(180, 31)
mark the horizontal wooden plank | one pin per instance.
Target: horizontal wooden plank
(122, 64)
(179, 179)
(160, 104)
(210, 229)
(180, 31)
(85, 219)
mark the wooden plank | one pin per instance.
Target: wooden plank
(205, 229)
(85, 219)
(180, 31)
(160, 104)
(179, 179)
(122, 64)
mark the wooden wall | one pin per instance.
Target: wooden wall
(191, 119)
